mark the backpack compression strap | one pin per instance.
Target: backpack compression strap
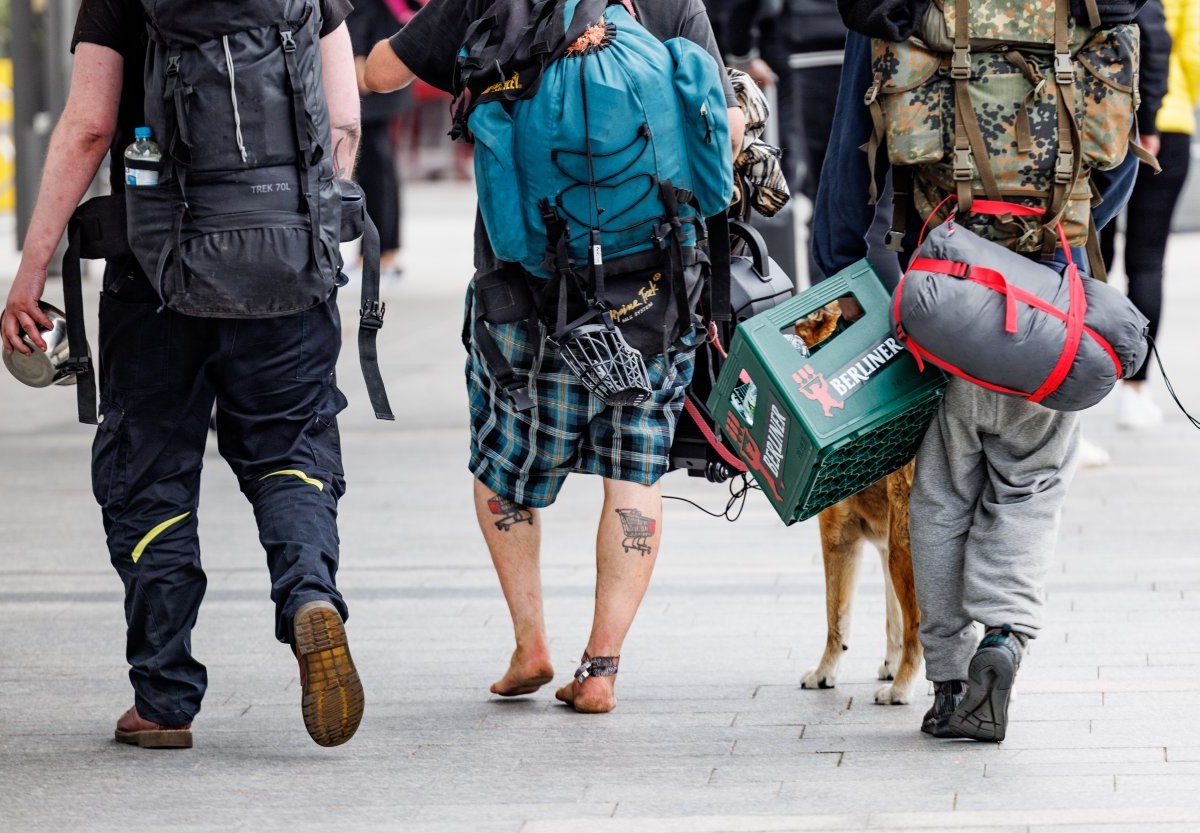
(80, 362)
(96, 230)
(720, 305)
(371, 320)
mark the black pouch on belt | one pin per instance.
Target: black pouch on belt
(502, 297)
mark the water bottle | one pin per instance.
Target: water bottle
(143, 160)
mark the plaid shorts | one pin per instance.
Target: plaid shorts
(526, 456)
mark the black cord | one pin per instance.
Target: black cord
(737, 497)
(1167, 382)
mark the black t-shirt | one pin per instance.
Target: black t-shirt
(429, 43)
(121, 26)
(371, 22)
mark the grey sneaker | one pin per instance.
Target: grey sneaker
(947, 696)
(983, 714)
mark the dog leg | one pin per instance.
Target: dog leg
(895, 619)
(841, 546)
(900, 569)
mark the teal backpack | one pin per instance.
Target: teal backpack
(599, 153)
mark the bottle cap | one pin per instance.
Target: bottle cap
(141, 132)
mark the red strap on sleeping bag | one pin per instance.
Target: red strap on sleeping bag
(979, 274)
(994, 280)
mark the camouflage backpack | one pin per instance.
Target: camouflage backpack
(1005, 100)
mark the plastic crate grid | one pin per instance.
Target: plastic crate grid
(875, 455)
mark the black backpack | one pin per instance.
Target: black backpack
(246, 218)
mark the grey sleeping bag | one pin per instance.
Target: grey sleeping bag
(952, 311)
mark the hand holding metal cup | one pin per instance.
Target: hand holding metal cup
(43, 368)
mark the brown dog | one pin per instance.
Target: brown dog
(878, 514)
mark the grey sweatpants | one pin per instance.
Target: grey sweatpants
(991, 478)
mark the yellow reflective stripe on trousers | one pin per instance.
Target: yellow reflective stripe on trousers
(154, 533)
(297, 473)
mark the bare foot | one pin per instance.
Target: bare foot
(595, 695)
(527, 672)
(566, 694)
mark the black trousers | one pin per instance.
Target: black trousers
(1147, 227)
(277, 403)
(380, 181)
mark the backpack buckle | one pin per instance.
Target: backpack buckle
(371, 314)
(172, 65)
(1064, 71)
(77, 366)
(1064, 167)
(960, 64)
(873, 90)
(289, 42)
(962, 164)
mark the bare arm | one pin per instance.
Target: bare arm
(341, 96)
(360, 74)
(737, 130)
(385, 71)
(77, 147)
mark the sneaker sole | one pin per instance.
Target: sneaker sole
(156, 738)
(983, 714)
(940, 729)
(332, 698)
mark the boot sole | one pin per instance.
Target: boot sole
(156, 738)
(332, 698)
(983, 714)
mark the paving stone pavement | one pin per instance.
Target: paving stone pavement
(713, 733)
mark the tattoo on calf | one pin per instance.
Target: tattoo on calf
(509, 512)
(638, 529)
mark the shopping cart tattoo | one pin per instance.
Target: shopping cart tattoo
(509, 512)
(638, 529)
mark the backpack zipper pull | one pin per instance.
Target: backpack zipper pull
(708, 131)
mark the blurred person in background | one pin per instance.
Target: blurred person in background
(738, 26)
(378, 173)
(806, 103)
(806, 93)
(1174, 58)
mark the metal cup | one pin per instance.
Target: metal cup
(40, 369)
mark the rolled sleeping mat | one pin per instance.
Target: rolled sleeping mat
(1014, 325)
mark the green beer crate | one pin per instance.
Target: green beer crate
(815, 429)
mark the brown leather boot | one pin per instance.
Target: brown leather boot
(133, 729)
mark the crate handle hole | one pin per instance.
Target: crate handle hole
(743, 400)
(821, 326)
